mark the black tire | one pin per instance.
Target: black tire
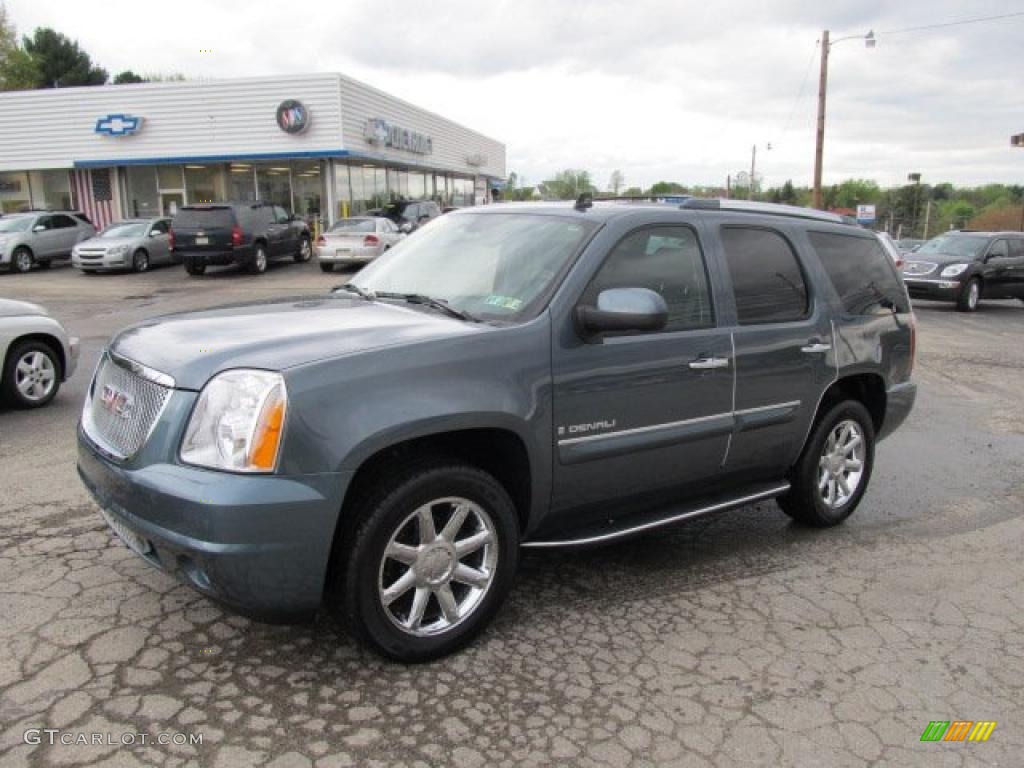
(804, 501)
(140, 260)
(44, 263)
(380, 515)
(21, 259)
(305, 252)
(258, 262)
(970, 296)
(10, 378)
(324, 267)
(194, 267)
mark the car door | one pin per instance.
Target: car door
(159, 242)
(66, 233)
(1016, 287)
(783, 337)
(45, 239)
(640, 412)
(279, 233)
(998, 273)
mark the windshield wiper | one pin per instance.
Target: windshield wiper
(353, 288)
(430, 301)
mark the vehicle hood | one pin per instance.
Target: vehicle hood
(12, 308)
(277, 334)
(108, 242)
(942, 259)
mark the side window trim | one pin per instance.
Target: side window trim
(809, 288)
(709, 283)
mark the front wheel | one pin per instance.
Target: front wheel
(325, 267)
(830, 477)
(21, 260)
(305, 250)
(431, 562)
(140, 261)
(970, 295)
(258, 265)
(31, 376)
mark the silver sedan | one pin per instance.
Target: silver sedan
(356, 241)
(134, 244)
(36, 353)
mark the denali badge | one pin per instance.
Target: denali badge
(117, 402)
(591, 426)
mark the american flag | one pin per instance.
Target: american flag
(94, 195)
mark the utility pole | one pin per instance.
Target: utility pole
(728, 186)
(753, 166)
(927, 217)
(819, 143)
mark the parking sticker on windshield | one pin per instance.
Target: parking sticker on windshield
(505, 302)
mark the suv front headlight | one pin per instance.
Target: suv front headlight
(237, 423)
(953, 270)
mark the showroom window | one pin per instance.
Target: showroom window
(441, 194)
(14, 192)
(274, 184)
(241, 183)
(204, 183)
(141, 194)
(51, 190)
(306, 189)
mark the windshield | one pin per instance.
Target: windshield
(125, 229)
(15, 224)
(354, 225)
(966, 246)
(494, 266)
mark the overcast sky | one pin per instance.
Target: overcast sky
(661, 90)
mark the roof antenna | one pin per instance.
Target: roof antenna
(584, 201)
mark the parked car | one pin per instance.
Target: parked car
(355, 241)
(410, 215)
(966, 267)
(909, 244)
(534, 376)
(246, 234)
(36, 352)
(135, 244)
(41, 238)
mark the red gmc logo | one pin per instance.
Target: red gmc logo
(117, 402)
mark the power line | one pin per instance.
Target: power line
(975, 20)
(803, 86)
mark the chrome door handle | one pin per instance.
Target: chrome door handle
(708, 363)
(816, 347)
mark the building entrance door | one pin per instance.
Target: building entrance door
(170, 202)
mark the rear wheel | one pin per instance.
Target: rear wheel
(21, 260)
(258, 265)
(31, 375)
(194, 267)
(44, 263)
(431, 561)
(325, 267)
(305, 250)
(969, 296)
(833, 471)
(140, 261)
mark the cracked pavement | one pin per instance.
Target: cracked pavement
(736, 639)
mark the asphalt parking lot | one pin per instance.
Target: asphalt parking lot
(737, 639)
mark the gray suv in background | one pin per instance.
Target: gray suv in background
(514, 376)
(41, 238)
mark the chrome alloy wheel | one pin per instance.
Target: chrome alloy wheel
(841, 465)
(438, 566)
(973, 294)
(35, 376)
(305, 250)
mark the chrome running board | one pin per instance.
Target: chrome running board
(633, 525)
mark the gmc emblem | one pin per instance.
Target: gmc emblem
(117, 402)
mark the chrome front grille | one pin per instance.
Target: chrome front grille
(123, 405)
(918, 268)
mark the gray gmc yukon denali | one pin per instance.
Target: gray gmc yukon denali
(512, 376)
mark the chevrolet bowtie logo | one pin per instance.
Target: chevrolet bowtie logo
(118, 125)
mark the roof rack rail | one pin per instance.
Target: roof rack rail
(773, 209)
(667, 198)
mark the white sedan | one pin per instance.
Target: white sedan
(36, 352)
(356, 241)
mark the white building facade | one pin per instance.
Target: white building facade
(324, 146)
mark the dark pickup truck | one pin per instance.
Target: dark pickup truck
(514, 376)
(246, 234)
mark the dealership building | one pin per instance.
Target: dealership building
(324, 146)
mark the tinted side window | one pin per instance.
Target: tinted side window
(279, 214)
(860, 271)
(666, 260)
(160, 226)
(766, 277)
(46, 222)
(998, 250)
(1016, 248)
(60, 221)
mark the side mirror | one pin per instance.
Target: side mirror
(154, 233)
(38, 228)
(624, 309)
(406, 228)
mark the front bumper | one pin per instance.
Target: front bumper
(103, 262)
(259, 544)
(74, 348)
(936, 288)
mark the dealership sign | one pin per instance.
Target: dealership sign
(118, 125)
(293, 116)
(384, 134)
(865, 214)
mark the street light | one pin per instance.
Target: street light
(753, 168)
(819, 145)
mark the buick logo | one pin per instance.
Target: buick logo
(117, 402)
(292, 116)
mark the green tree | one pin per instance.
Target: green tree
(616, 182)
(17, 69)
(667, 188)
(60, 61)
(632, 192)
(567, 185)
(128, 76)
(514, 191)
